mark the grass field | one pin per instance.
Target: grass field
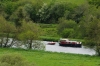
(41, 58)
(78, 2)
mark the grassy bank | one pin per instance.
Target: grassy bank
(45, 38)
(41, 58)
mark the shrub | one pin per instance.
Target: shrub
(4, 64)
(67, 33)
(13, 60)
(89, 43)
(65, 24)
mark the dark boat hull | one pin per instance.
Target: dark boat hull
(71, 45)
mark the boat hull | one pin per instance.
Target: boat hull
(71, 45)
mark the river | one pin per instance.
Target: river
(57, 48)
(75, 50)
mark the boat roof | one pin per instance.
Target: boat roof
(65, 39)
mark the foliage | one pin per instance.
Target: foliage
(89, 43)
(16, 10)
(29, 32)
(95, 2)
(65, 24)
(31, 29)
(50, 13)
(49, 30)
(13, 60)
(77, 13)
(38, 45)
(93, 34)
(6, 28)
(18, 16)
(66, 33)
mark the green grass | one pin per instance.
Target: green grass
(49, 31)
(42, 58)
(78, 2)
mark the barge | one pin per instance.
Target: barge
(68, 43)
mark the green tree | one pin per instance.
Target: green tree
(67, 33)
(90, 14)
(95, 2)
(77, 13)
(65, 24)
(50, 13)
(17, 16)
(93, 34)
(29, 33)
(9, 7)
(6, 28)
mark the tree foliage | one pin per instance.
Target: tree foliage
(95, 2)
(29, 33)
(6, 28)
(68, 28)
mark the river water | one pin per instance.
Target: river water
(57, 48)
(75, 50)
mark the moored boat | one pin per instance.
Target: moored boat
(67, 42)
(51, 43)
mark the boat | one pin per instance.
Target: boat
(68, 43)
(51, 43)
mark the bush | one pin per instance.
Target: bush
(66, 33)
(89, 43)
(13, 60)
(4, 64)
(65, 24)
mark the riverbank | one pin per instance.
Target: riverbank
(45, 58)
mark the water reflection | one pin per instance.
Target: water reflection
(57, 48)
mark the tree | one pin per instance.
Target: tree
(17, 16)
(50, 13)
(95, 2)
(27, 11)
(67, 33)
(64, 25)
(93, 35)
(29, 33)
(77, 13)
(6, 28)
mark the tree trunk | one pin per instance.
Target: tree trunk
(7, 40)
(30, 44)
(1, 43)
(12, 42)
(98, 50)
